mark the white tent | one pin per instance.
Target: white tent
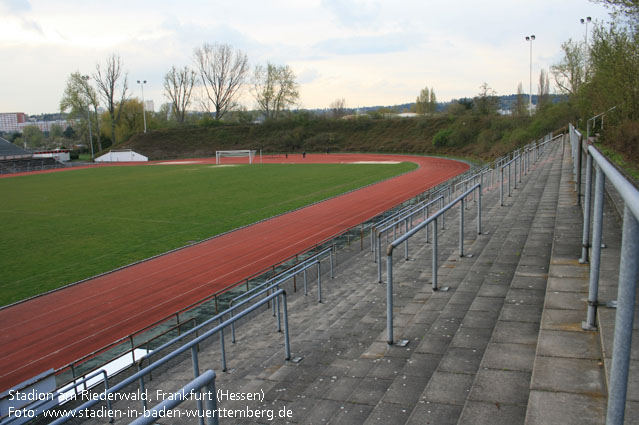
(126, 155)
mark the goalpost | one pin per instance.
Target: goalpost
(236, 154)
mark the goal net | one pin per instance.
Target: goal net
(234, 154)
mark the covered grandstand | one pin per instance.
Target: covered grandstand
(14, 159)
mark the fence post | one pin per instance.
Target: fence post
(596, 251)
(287, 342)
(196, 373)
(435, 254)
(461, 228)
(628, 275)
(389, 298)
(479, 212)
(586, 229)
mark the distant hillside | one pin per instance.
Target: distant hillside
(469, 135)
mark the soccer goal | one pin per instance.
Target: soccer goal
(234, 154)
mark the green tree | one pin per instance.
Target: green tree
(543, 91)
(614, 80)
(32, 137)
(486, 103)
(520, 103)
(274, 89)
(570, 72)
(426, 102)
(82, 101)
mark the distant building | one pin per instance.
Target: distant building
(15, 122)
(9, 121)
(43, 125)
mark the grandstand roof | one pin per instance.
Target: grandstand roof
(9, 149)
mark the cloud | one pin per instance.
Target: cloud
(352, 13)
(16, 6)
(19, 8)
(373, 44)
(308, 75)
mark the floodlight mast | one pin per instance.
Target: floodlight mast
(530, 38)
(86, 78)
(142, 83)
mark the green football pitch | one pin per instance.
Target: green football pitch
(59, 228)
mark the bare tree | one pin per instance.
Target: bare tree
(222, 72)
(110, 80)
(338, 108)
(178, 86)
(274, 89)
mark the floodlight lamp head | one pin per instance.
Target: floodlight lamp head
(532, 37)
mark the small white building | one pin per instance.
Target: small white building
(62, 155)
(123, 155)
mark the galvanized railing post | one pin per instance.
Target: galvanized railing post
(287, 341)
(389, 298)
(501, 187)
(434, 254)
(222, 349)
(595, 260)
(586, 228)
(196, 373)
(319, 283)
(379, 257)
(479, 212)
(461, 228)
(627, 292)
(211, 403)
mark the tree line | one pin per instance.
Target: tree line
(214, 82)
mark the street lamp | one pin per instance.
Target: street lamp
(530, 38)
(86, 78)
(142, 83)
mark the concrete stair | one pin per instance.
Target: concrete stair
(471, 350)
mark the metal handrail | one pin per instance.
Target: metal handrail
(423, 209)
(412, 232)
(60, 393)
(628, 274)
(205, 380)
(191, 345)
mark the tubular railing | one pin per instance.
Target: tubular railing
(205, 380)
(501, 180)
(412, 232)
(274, 284)
(396, 216)
(407, 221)
(62, 393)
(628, 272)
(192, 346)
(231, 312)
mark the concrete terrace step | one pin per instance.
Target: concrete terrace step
(500, 389)
(350, 375)
(568, 384)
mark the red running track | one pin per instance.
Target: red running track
(55, 329)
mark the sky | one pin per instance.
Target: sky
(363, 51)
